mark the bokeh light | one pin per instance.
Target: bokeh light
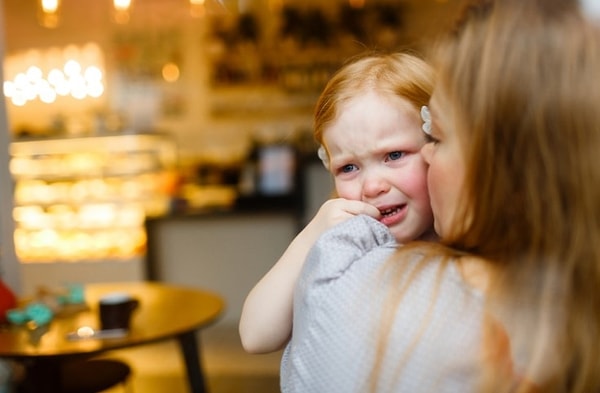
(49, 75)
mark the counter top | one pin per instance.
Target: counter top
(288, 204)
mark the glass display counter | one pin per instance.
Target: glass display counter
(86, 199)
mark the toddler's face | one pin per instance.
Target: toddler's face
(374, 147)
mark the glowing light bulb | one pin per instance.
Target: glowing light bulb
(50, 6)
(122, 4)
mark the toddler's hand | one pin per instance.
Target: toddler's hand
(335, 211)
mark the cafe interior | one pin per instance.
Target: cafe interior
(170, 141)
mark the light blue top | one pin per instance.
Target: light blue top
(435, 336)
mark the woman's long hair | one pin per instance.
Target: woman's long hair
(522, 78)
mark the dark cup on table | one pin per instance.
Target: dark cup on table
(116, 310)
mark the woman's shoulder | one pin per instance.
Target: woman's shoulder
(475, 272)
(433, 260)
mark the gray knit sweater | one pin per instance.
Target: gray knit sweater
(338, 302)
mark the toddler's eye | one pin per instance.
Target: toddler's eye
(348, 168)
(396, 155)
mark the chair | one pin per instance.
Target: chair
(94, 375)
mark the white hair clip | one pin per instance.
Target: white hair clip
(426, 117)
(322, 153)
(591, 9)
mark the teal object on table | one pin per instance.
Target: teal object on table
(76, 294)
(16, 316)
(39, 313)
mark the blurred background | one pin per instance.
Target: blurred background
(214, 74)
(171, 140)
(122, 111)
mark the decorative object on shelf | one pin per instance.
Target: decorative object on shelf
(307, 45)
(141, 54)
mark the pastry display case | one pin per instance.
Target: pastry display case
(86, 199)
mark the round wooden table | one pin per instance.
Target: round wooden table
(165, 312)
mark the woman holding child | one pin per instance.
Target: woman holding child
(508, 300)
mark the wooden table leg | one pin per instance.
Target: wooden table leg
(190, 346)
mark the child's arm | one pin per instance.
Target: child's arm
(266, 321)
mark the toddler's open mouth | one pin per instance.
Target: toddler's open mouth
(392, 210)
(392, 215)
